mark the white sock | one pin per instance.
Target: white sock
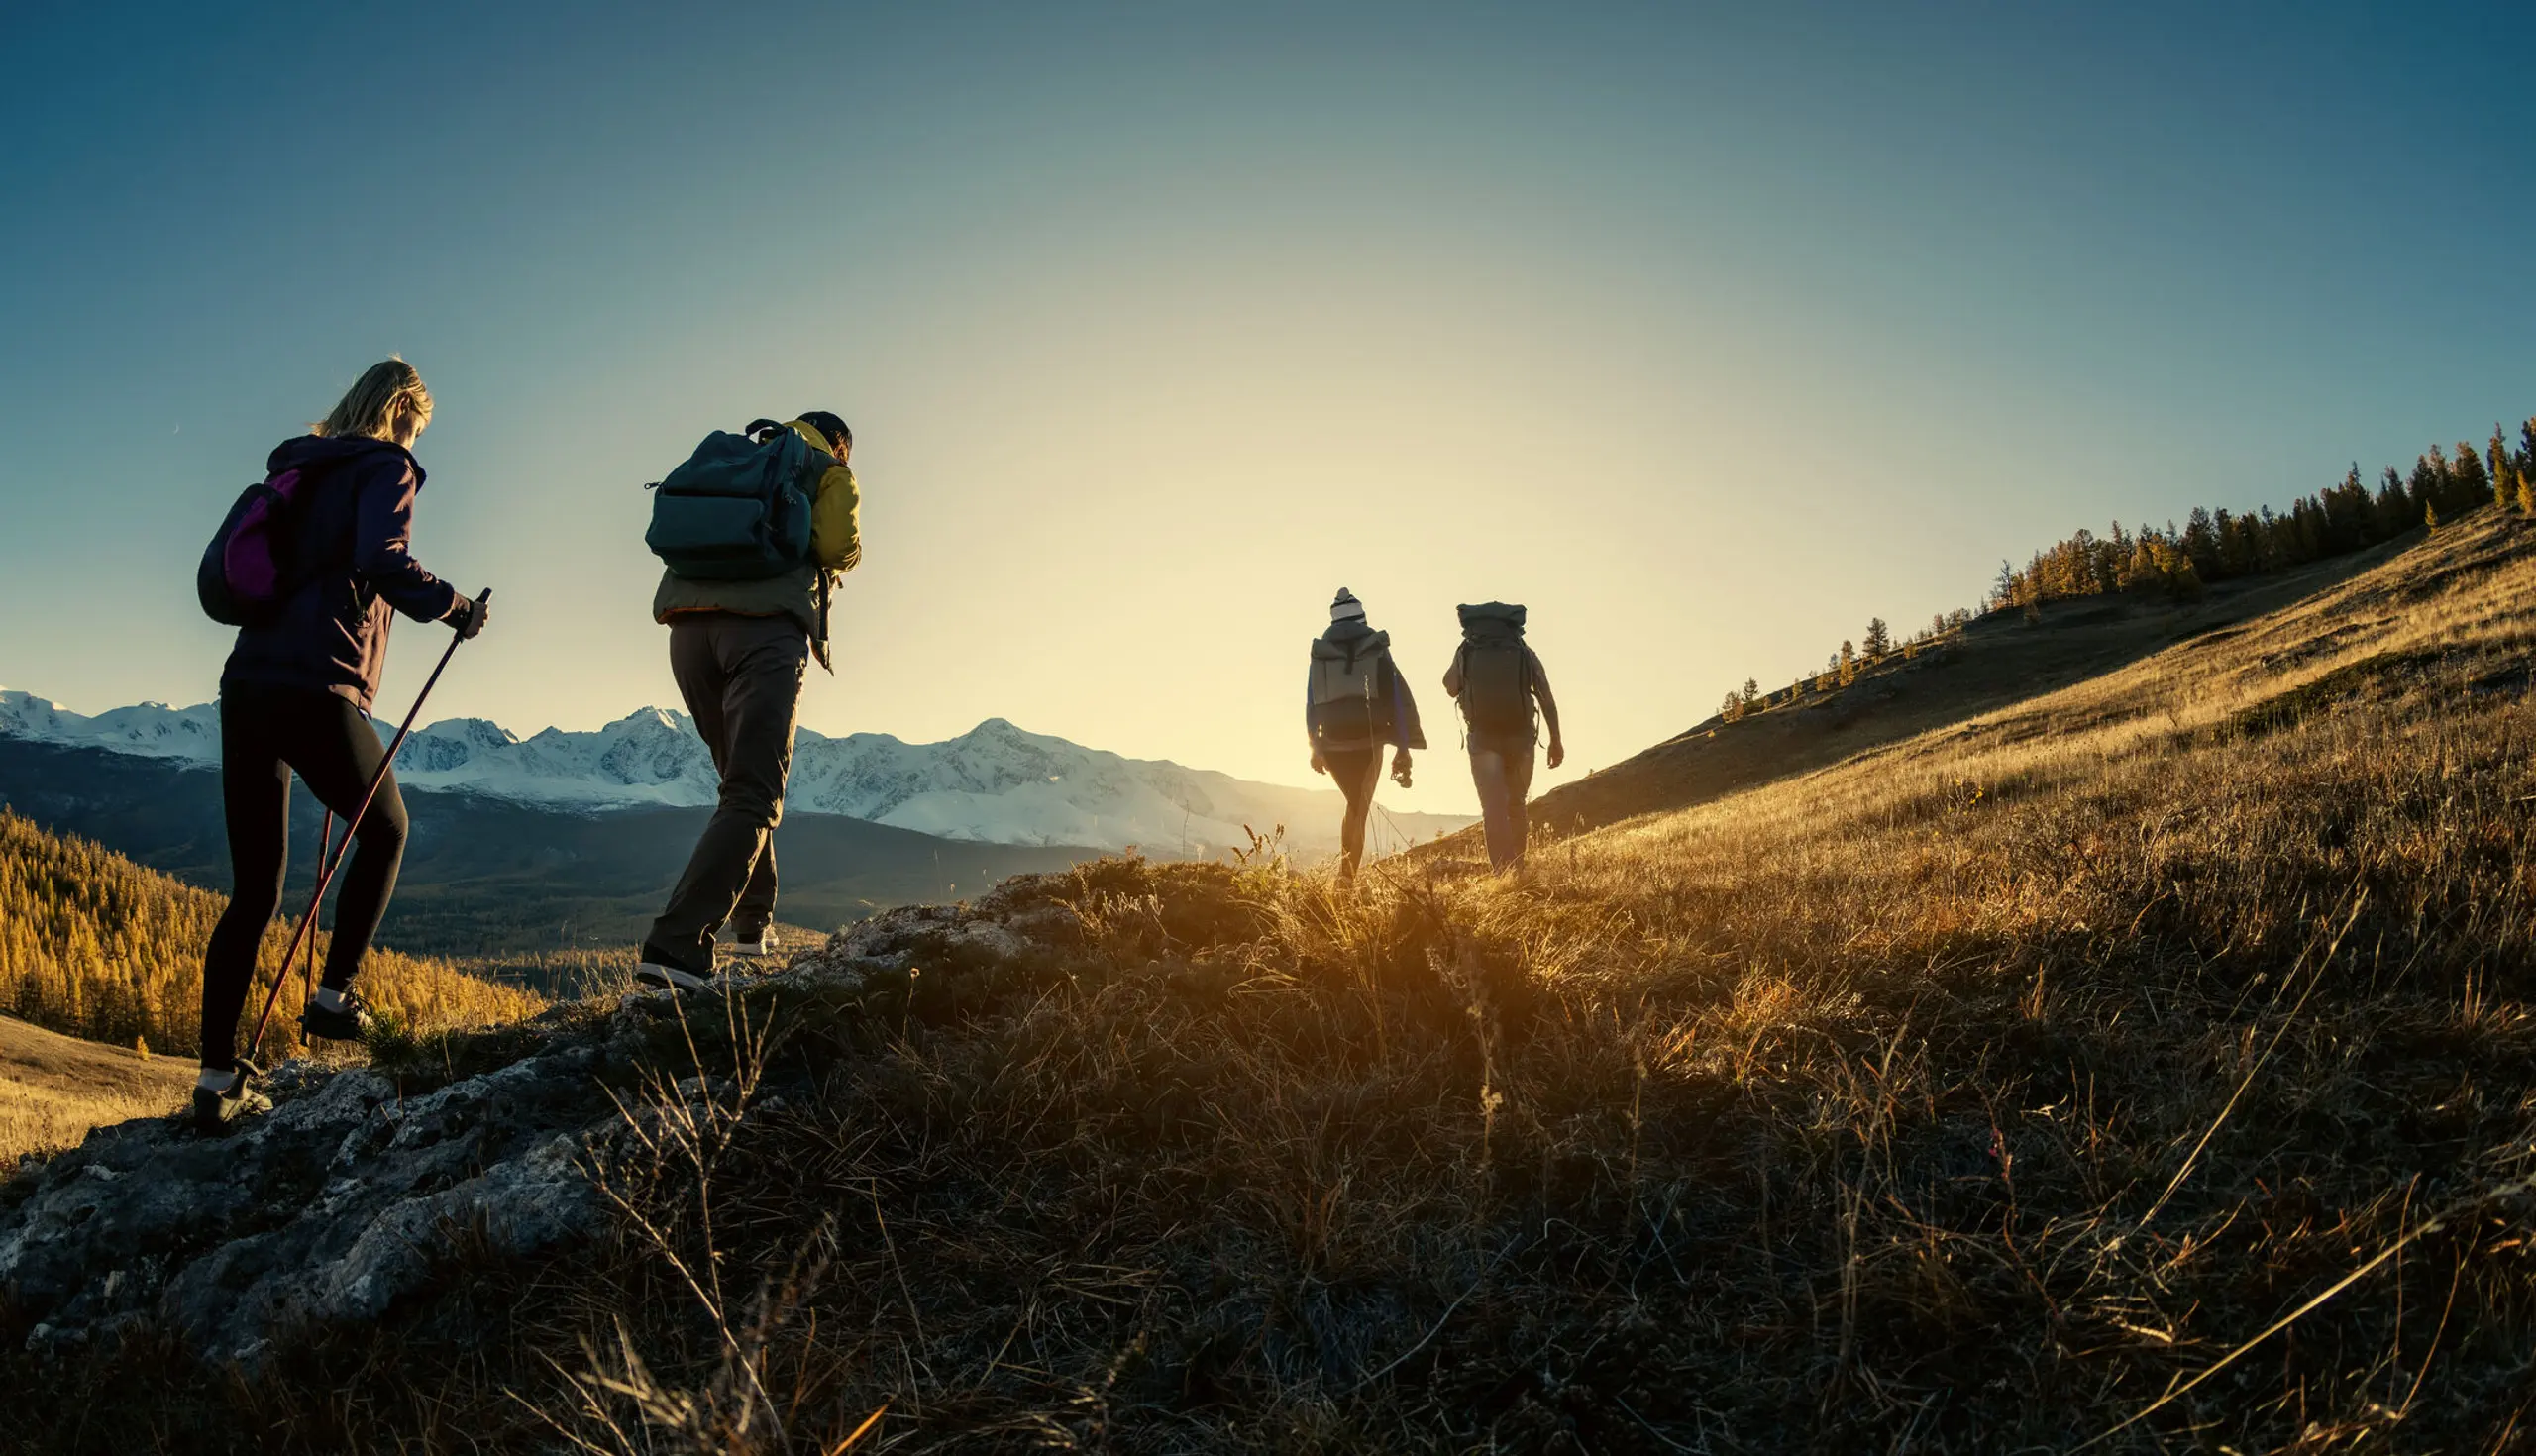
(216, 1079)
(327, 998)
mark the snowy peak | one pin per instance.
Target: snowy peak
(997, 783)
(651, 757)
(25, 715)
(650, 720)
(473, 732)
(151, 729)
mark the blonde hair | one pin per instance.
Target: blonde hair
(387, 395)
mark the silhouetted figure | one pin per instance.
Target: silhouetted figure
(1499, 682)
(295, 696)
(1354, 702)
(747, 608)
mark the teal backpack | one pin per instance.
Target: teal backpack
(739, 508)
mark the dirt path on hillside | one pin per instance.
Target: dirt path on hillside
(55, 1088)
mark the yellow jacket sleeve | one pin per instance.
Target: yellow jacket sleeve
(836, 527)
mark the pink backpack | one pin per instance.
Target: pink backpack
(249, 568)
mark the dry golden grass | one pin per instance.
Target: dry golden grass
(2148, 1066)
(1994, 663)
(55, 1088)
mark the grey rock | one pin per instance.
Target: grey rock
(330, 1207)
(895, 940)
(345, 1197)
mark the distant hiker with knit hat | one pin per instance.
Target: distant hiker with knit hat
(1354, 702)
(753, 531)
(1498, 682)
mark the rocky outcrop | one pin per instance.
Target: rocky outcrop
(328, 1209)
(344, 1198)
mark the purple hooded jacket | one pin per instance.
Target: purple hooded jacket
(356, 531)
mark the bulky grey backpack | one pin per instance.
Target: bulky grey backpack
(1497, 678)
(1348, 702)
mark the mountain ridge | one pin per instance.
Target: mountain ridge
(997, 783)
(488, 876)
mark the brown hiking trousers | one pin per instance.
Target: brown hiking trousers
(741, 677)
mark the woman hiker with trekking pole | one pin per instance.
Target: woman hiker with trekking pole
(312, 564)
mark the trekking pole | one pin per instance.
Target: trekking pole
(326, 878)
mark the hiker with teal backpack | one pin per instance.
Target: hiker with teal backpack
(752, 532)
(1354, 702)
(1499, 682)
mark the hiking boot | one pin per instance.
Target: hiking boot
(219, 1110)
(669, 977)
(754, 947)
(348, 1020)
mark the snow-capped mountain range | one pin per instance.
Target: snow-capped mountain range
(995, 784)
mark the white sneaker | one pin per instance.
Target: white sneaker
(764, 945)
(669, 978)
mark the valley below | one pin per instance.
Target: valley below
(571, 841)
(491, 877)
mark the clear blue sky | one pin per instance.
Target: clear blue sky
(1706, 330)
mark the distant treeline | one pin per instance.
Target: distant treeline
(2217, 545)
(96, 946)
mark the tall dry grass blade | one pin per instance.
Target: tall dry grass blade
(2358, 902)
(860, 1431)
(2437, 1222)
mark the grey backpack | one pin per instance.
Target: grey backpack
(1347, 700)
(1497, 677)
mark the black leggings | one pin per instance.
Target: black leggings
(264, 734)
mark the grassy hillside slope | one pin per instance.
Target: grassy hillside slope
(55, 1088)
(2145, 1066)
(1998, 659)
(95, 946)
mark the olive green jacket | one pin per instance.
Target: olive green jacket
(836, 546)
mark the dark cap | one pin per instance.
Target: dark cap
(828, 424)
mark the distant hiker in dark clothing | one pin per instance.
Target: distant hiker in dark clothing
(296, 695)
(1498, 681)
(746, 611)
(1354, 702)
